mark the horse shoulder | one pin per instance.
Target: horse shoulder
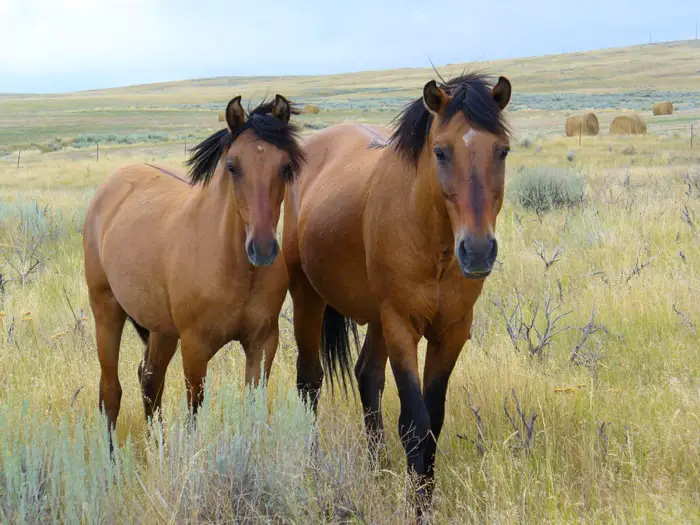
(402, 276)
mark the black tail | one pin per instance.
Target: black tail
(143, 332)
(335, 345)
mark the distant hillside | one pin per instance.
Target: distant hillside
(672, 66)
(621, 78)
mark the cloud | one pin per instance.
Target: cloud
(55, 36)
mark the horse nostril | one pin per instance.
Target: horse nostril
(493, 252)
(250, 250)
(462, 250)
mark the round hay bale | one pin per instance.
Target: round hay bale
(628, 125)
(222, 116)
(311, 108)
(663, 108)
(586, 124)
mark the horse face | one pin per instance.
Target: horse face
(259, 172)
(470, 167)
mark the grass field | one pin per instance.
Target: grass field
(616, 394)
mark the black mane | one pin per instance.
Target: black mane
(470, 94)
(204, 157)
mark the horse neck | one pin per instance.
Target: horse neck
(429, 204)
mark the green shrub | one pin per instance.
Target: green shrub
(542, 189)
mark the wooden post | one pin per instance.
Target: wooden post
(691, 137)
(580, 125)
(185, 147)
(19, 155)
(98, 152)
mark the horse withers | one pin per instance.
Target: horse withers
(398, 232)
(193, 259)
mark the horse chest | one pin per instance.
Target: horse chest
(214, 307)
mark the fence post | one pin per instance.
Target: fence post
(580, 125)
(98, 152)
(19, 156)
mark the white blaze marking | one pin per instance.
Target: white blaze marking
(468, 136)
(260, 148)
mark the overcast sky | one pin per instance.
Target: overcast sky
(66, 45)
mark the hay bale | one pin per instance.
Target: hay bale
(628, 125)
(222, 116)
(311, 108)
(586, 124)
(663, 108)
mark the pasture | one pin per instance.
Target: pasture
(576, 400)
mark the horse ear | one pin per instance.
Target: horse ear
(281, 109)
(501, 92)
(235, 115)
(434, 98)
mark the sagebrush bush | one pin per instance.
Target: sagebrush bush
(88, 140)
(238, 460)
(542, 189)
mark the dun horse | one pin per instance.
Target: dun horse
(398, 233)
(196, 264)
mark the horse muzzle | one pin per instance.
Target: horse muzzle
(262, 253)
(476, 256)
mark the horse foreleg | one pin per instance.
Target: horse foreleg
(370, 371)
(414, 422)
(159, 352)
(440, 360)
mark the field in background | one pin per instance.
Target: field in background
(616, 395)
(545, 89)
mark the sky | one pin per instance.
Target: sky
(49, 46)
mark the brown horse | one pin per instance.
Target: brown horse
(196, 264)
(398, 233)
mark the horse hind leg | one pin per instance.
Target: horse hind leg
(151, 371)
(370, 371)
(109, 324)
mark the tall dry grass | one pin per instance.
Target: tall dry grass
(615, 437)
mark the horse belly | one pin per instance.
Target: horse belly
(332, 251)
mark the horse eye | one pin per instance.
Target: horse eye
(233, 170)
(288, 172)
(503, 153)
(440, 155)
